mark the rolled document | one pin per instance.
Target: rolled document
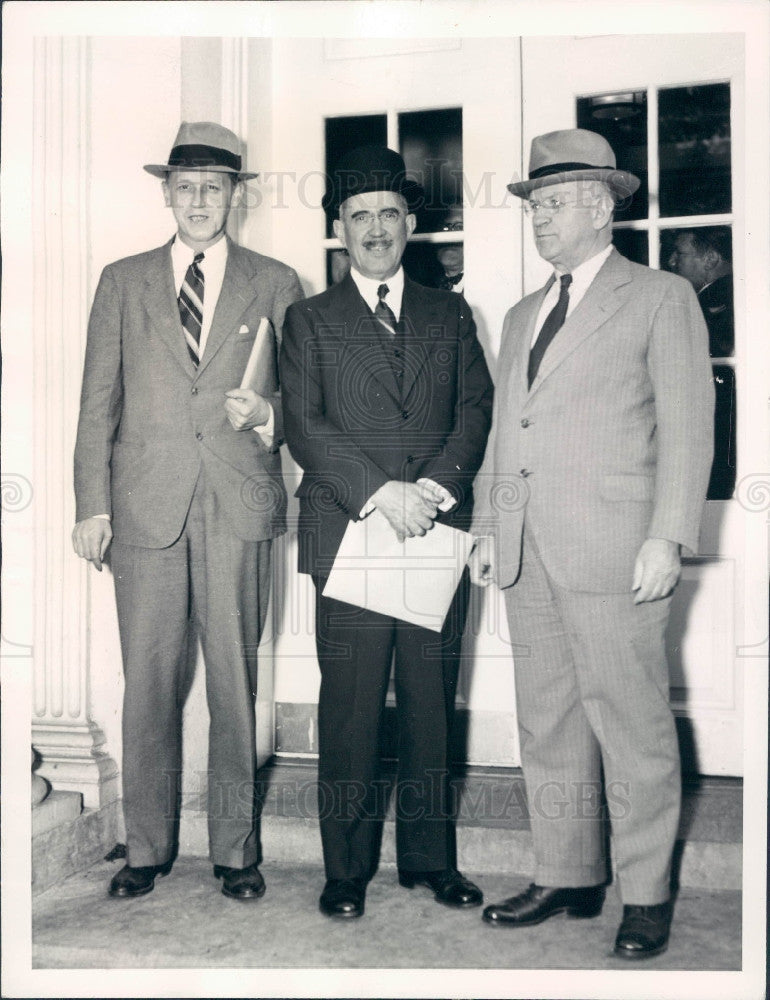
(261, 372)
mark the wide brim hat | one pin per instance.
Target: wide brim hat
(573, 154)
(371, 168)
(203, 146)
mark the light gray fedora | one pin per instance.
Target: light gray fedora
(203, 146)
(573, 154)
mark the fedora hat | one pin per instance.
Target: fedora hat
(573, 154)
(371, 168)
(203, 146)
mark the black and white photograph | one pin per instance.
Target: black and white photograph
(385, 499)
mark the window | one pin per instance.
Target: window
(677, 140)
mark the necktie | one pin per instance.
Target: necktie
(191, 307)
(553, 322)
(383, 312)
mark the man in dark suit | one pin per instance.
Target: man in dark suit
(704, 256)
(387, 401)
(593, 487)
(179, 470)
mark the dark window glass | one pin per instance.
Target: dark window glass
(431, 143)
(722, 482)
(694, 151)
(422, 265)
(344, 134)
(704, 256)
(622, 120)
(337, 266)
(632, 243)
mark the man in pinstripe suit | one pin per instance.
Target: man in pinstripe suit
(603, 424)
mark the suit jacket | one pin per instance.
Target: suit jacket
(151, 423)
(352, 428)
(613, 442)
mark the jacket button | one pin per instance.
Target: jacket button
(525, 422)
(199, 436)
(524, 473)
(194, 390)
(409, 459)
(405, 414)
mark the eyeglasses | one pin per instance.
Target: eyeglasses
(452, 227)
(550, 205)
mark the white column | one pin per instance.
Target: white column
(68, 740)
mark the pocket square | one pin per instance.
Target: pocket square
(244, 329)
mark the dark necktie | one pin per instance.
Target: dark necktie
(553, 322)
(191, 307)
(383, 312)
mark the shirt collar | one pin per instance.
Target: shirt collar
(368, 289)
(216, 254)
(584, 273)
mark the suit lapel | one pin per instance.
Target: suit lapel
(422, 327)
(161, 305)
(598, 304)
(238, 291)
(359, 325)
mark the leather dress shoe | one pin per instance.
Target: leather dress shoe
(137, 881)
(449, 887)
(343, 898)
(644, 930)
(241, 883)
(539, 903)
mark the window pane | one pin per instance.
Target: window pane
(431, 143)
(421, 263)
(694, 128)
(337, 266)
(722, 482)
(632, 243)
(622, 120)
(704, 256)
(344, 134)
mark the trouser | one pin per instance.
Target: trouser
(592, 695)
(221, 584)
(355, 651)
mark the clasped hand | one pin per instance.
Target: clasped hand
(409, 507)
(246, 409)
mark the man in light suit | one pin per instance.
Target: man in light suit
(180, 471)
(593, 484)
(387, 401)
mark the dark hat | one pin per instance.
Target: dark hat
(203, 146)
(371, 168)
(573, 154)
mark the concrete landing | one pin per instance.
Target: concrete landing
(186, 922)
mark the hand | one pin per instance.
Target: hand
(406, 507)
(246, 409)
(437, 494)
(482, 561)
(90, 539)
(656, 570)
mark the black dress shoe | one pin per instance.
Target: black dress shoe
(644, 931)
(137, 881)
(343, 898)
(449, 887)
(241, 883)
(539, 903)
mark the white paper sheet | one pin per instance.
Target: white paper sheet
(414, 580)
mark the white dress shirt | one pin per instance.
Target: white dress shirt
(582, 277)
(368, 289)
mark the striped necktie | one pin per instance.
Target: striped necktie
(383, 312)
(553, 323)
(191, 307)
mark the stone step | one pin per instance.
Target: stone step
(493, 823)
